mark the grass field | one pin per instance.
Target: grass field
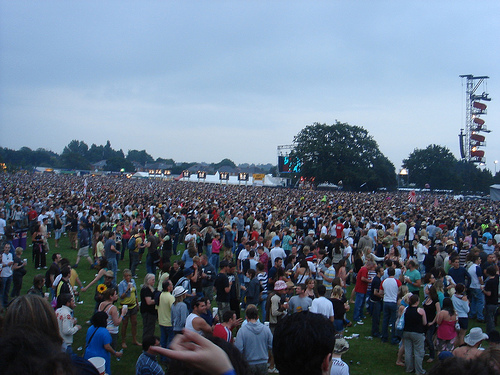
(366, 356)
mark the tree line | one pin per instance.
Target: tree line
(339, 153)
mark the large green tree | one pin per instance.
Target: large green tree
(342, 152)
(435, 165)
(141, 157)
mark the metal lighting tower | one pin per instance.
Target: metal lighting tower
(472, 142)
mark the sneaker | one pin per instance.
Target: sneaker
(135, 277)
(76, 266)
(273, 370)
(360, 322)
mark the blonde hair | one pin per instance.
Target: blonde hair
(337, 291)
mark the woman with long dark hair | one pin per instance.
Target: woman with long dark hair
(431, 307)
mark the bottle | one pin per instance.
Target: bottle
(118, 358)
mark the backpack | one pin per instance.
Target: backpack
(131, 243)
(156, 296)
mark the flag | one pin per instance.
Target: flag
(436, 203)
(412, 197)
(85, 187)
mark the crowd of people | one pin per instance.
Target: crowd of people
(425, 272)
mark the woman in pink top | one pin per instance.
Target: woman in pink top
(214, 258)
(446, 332)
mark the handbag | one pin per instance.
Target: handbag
(400, 323)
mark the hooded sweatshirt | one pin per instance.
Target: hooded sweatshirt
(253, 341)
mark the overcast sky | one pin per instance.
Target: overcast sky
(207, 80)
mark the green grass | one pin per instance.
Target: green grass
(364, 356)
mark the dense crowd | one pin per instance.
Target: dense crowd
(424, 271)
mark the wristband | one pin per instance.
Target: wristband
(229, 372)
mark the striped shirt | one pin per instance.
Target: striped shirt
(263, 278)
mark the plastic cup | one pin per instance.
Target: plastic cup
(124, 309)
(215, 311)
(47, 295)
(194, 290)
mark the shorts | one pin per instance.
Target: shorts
(132, 311)
(463, 323)
(83, 251)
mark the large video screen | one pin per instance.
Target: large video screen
(285, 165)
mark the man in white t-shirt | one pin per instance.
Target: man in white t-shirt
(322, 305)
(390, 288)
(277, 252)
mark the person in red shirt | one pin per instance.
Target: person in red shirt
(339, 229)
(362, 281)
(224, 330)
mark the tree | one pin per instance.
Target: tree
(472, 179)
(342, 152)
(224, 163)
(141, 157)
(77, 147)
(115, 164)
(434, 165)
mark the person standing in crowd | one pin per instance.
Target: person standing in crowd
(339, 367)
(491, 297)
(148, 307)
(389, 288)
(165, 304)
(413, 336)
(110, 296)
(254, 340)
(98, 340)
(18, 272)
(360, 289)
(322, 305)
(146, 363)
(195, 322)
(223, 289)
(299, 302)
(224, 330)
(179, 310)
(476, 292)
(127, 291)
(66, 320)
(111, 252)
(84, 243)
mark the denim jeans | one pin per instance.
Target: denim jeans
(431, 330)
(476, 304)
(489, 316)
(376, 308)
(6, 281)
(150, 265)
(113, 266)
(134, 261)
(166, 336)
(359, 304)
(390, 313)
(214, 261)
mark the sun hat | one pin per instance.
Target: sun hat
(179, 291)
(341, 346)
(280, 285)
(310, 231)
(475, 335)
(109, 273)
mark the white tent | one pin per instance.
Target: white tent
(495, 192)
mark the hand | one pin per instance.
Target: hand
(84, 289)
(197, 351)
(118, 354)
(79, 327)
